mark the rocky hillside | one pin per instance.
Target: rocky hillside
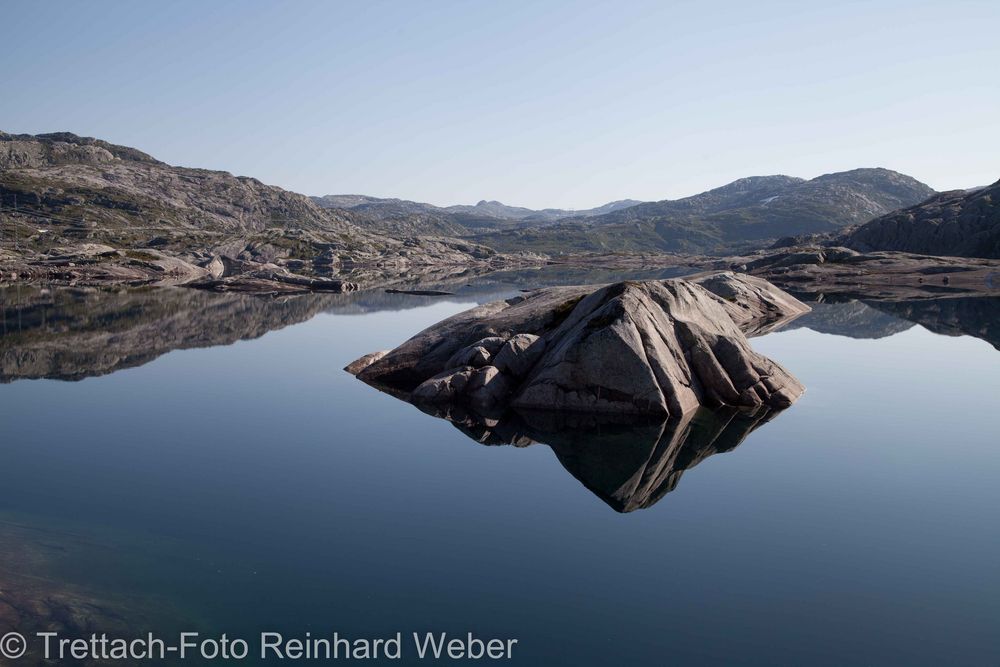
(959, 224)
(746, 212)
(61, 190)
(83, 180)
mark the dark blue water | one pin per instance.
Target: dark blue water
(256, 486)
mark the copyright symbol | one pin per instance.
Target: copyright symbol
(13, 646)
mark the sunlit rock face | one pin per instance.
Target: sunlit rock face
(652, 347)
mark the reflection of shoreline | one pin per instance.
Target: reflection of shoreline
(71, 334)
(629, 463)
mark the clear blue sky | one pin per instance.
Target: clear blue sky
(537, 103)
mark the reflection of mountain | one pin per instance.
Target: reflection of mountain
(629, 465)
(961, 316)
(851, 318)
(977, 316)
(71, 334)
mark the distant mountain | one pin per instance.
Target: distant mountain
(850, 318)
(609, 207)
(349, 201)
(395, 216)
(961, 223)
(495, 209)
(748, 211)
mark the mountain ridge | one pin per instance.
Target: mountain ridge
(83, 189)
(393, 215)
(747, 211)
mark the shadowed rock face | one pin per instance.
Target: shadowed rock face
(958, 223)
(653, 347)
(630, 464)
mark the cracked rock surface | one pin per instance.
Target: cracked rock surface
(652, 347)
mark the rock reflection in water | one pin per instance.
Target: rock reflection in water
(961, 316)
(71, 334)
(628, 463)
(858, 316)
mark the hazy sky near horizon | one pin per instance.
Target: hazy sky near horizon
(545, 103)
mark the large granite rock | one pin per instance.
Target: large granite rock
(653, 347)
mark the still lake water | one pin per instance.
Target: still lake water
(256, 486)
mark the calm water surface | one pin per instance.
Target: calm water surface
(256, 486)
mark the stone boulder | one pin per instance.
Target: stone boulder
(653, 347)
(520, 354)
(478, 354)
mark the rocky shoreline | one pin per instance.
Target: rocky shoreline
(808, 268)
(100, 265)
(836, 269)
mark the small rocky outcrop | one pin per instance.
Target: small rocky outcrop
(653, 347)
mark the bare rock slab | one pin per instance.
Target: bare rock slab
(653, 347)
